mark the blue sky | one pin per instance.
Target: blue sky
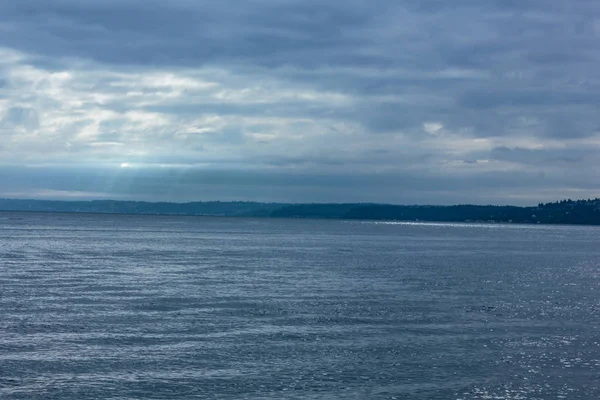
(404, 102)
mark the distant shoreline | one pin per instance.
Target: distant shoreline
(569, 212)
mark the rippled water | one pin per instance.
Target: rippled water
(148, 307)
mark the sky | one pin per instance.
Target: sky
(405, 102)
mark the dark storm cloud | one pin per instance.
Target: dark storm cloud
(178, 32)
(477, 89)
(528, 98)
(545, 156)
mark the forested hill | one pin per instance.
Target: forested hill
(585, 212)
(214, 208)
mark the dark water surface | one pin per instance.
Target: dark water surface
(147, 307)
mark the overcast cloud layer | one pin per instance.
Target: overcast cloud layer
(463, 101)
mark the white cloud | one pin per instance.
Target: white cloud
(432, 127)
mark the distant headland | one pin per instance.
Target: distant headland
(579, 212)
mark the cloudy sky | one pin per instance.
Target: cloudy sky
(415, 101)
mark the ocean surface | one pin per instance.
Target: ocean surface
(159, 307)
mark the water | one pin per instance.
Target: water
(148, 307)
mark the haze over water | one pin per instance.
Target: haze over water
(156, 307)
